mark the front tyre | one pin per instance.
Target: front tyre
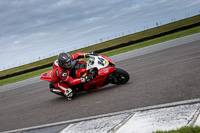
(119, 76)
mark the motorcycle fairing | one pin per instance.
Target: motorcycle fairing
(97, 62)
(99, 81)
(105, 71)
(95, 83)
(107, 58)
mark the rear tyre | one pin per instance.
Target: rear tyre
(119, 76)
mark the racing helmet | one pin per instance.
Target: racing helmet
(65, 60)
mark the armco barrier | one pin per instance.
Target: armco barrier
(109, 48)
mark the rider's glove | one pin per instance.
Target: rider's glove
(86, 79)
(91, 53)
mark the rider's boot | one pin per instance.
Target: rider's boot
(69, 93)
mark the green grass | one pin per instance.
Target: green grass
(183, 130)
(109, 53)
(153, 41)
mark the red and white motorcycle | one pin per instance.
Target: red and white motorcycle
(101, 70)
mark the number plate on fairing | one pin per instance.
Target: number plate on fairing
(97, 62)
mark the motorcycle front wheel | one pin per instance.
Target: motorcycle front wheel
(119, 76)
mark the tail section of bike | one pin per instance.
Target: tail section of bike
(46, 76)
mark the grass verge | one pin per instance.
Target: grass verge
(153, 41)
(109, 53)
(183, 130)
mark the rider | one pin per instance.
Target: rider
(61, 71)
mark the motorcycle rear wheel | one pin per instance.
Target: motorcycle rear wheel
(119, 76)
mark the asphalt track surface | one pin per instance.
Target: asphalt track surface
(160, 77)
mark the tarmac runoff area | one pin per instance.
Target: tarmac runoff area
(146, 120)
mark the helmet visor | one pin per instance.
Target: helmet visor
(67, 64)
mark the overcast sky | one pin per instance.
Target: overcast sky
(30, 29)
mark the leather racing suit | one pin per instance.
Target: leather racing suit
(61, 79)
